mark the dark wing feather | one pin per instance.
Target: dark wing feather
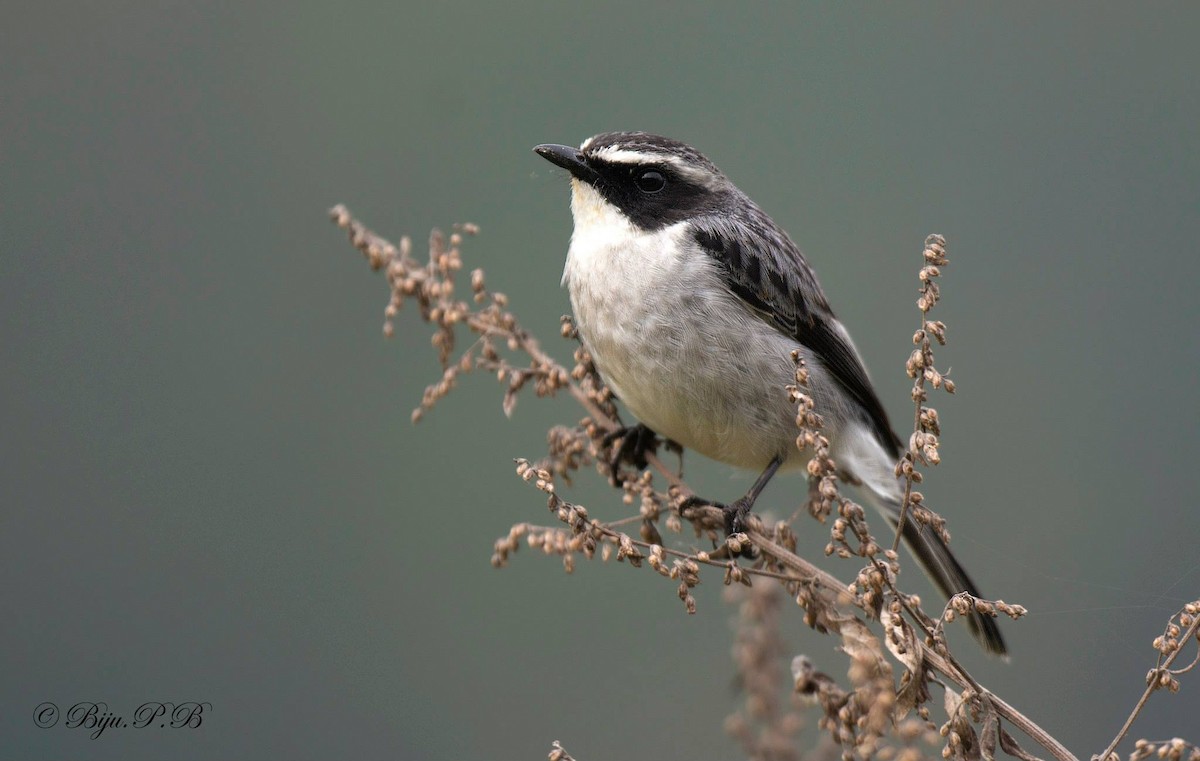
(763, 267)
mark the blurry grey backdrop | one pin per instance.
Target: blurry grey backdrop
(211, 488)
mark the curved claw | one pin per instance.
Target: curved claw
(736, 518)
(636, 441)
(736, 515)
(694, 501)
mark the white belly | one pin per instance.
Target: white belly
(684, 355)
(689, 358)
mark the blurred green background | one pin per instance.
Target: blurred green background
(211, 488)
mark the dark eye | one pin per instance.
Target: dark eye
(651, 181)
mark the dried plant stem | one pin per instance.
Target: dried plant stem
(908, 480)
(1153, 683)
(829, 603)
(944, 664)
(606, 530)
(920, 368)
(907, 500)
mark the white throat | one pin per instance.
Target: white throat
(603, 236)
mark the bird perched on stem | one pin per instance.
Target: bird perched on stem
(691, 300)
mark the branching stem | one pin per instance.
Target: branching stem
(1153, 683)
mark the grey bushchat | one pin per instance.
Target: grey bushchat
(691, 300)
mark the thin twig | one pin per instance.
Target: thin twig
(606, 530)
(1153, 684)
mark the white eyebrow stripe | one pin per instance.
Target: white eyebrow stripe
(615, 155)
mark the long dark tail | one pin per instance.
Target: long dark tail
(944, 570)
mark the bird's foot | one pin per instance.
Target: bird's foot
(636, 442)
(737, 515)
(736, 518)
(694, 501)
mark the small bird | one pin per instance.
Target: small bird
(691, 300)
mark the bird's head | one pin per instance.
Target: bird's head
(638, 178)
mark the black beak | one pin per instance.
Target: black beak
(568, 158)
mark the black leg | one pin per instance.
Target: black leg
(735, 513)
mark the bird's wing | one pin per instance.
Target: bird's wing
(763, 267)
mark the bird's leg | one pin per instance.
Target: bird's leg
(636, 441)
(736, 512)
